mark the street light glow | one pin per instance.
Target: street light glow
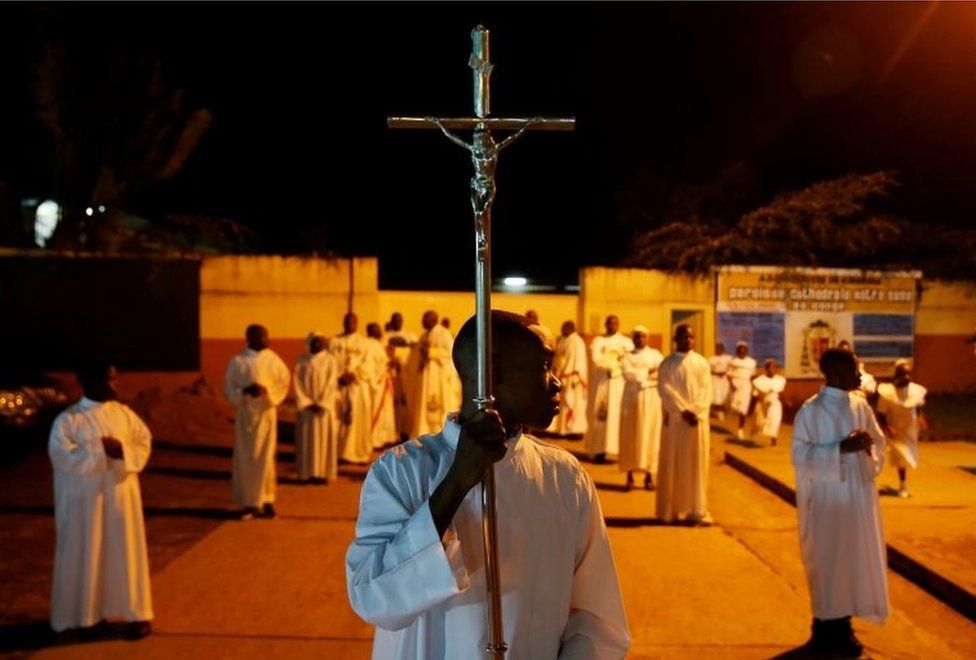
(515, 282)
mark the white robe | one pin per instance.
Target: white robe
(402, 378)
(101, 567)
(606, 390)
(719, 365)
(316, 434)
(900, 408)
(640, 414)
(354, 408)
(769, 412)
(869, 385)
(382, 422)
(254, 481)
(437, 383)
(572, 368)
(741, 371)
(426, 594)
(682, 482)
(841, 537)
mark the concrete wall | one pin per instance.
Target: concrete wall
(944, 318)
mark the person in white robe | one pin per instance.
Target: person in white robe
(380, 379)
(255, 383)
(719, 364)
(769, 412)
(640, 411)
(437, 384)
(572, 367)
(741, 370)
(399, 344)
(900, 405)
(685, 384)
(838, 449)
(97, 448)
(416, 567)
(606, 390)
(316, 384)
(354, 408)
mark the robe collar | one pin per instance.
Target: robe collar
(452, 433)
(84, 403)
(834, 393)
(250, 352)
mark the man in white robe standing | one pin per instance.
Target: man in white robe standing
(380, 379)
(416, 568)
(256, 382)
(399, 344)
(769, 411)
(316, 383)
(838, 449)
(98, 447)
(640, 411)
(354, 408)
(572, 368)
(606, 390)
(719, 364)
(900, 405)
(741, 370)
(685, 383)
(437, 383)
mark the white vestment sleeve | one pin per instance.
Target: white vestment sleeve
(597, 625)
(303, 372)
(280, 380)
(702, 403)
(69, 456)
(232, 389)
(330, 385)
(873, 429)
(136, 448)
(814, 458)
(398, 567)
(670, 397)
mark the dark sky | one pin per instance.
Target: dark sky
(682, 93)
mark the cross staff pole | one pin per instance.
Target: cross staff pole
(484, 159)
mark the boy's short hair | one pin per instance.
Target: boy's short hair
(93, 372)
(836, 356)
(505, 327)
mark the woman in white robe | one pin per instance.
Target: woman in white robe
(640, 411)
(316, 376)
(900, 409)
(719, 364)
(769, 412)
(741, 370)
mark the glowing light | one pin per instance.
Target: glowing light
(515, 282)
(101, 208)
(89, 211)
(46, 219)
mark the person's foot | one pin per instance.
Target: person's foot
(600, 458)
(740, 434)
(903, 493)
(248, 512)
(137, 630)
(630, 481)
(703, 521)
(772, 442)
(648, 482)
(93, 631)
(268, 511)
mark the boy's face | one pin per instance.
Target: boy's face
(103, 389)
(525, 387)
(684, 339)
(843, 375)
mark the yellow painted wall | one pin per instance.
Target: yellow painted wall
(946, 308)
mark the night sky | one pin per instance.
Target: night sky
(780, 95)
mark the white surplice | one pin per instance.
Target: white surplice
(254, 480)
(382, 423)
(900, 407)
(437, 384)
(719, 364)
(769, 412)
(606, 390)
(572, 367)
(841, 536)
(426, 594)
(354, 406)
(685, 384)
(741, 371)
(101, 567)
(316, 435)
(640, 413)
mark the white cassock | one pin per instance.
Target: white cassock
(719, 364)
(316, 435)
(354, 407)
(640, 414)
(606, 390)
(101, 567)
(769, 412)
(254, 481)
(900, 407)
(682, 476)
(741, 371)
(382, 421)
(402, 378)
(572, 367)
(426, 594)
(437, 383)
(841, 537)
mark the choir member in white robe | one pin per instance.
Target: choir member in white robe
(415, 569)
(769, 411)
(741, 370)
(640, 411)
(685, 383)
(316, 384)
(606, 390)
(838, 449)
(900, 405)
(719, 364)
(354, 409)
(399, 343)
(97, 447)
(437, 389)
(572, 368)
(383, 418)
(256, 382)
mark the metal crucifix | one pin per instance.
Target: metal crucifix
(484, 158)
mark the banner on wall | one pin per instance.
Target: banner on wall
(793, 315)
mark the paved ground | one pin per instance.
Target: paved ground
(228, 589)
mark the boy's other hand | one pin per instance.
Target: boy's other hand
(856, 441)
